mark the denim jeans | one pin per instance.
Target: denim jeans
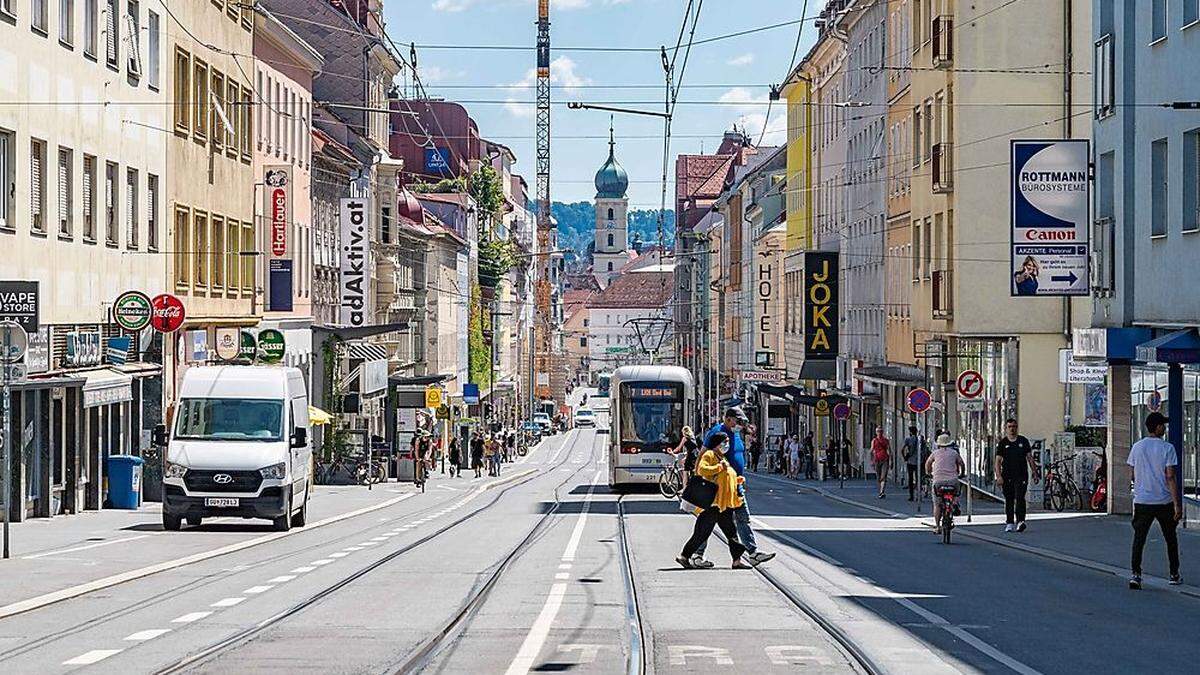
(741, 520)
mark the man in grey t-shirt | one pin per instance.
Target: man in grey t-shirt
(1153, 463)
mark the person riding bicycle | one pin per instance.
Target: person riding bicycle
(690, 448)
(944, 466)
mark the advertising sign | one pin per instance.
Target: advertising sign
(820, 305)
(373, 377)
(1074, 371)
(768, 329)
(19, 302)
(470, 393)
(249, 349)
(433, 397)
(437, 160)
(1050, 198)
(199, 345)
(270, 345)
(116, 349)
(228, 343)
(1095, 405)
(277, 205)
(37, 357)
(83, 349)
(131, 310)
(166, 313)
(355, 263)
(14, 342)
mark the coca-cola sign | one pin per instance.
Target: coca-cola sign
(167, 314)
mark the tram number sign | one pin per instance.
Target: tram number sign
(970, 384)
(919, 400)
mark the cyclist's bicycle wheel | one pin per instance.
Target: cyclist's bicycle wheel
(947, 523)
(670, 482)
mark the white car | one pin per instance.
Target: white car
(239, 446)
(543, 420)
(585, 418)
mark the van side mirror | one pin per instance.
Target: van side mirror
(299, 437)
(158, 436)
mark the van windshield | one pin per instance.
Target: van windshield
(221, 419)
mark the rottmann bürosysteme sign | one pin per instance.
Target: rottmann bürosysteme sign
(1049, 238)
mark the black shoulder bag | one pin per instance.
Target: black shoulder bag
(699, 491)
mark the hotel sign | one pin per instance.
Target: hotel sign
(820, 306)
(768, 333)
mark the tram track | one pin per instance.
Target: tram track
(637, 661)
(451, 628)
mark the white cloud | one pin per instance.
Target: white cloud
(562, 72)
(742, 60)
(751, 114)
(431, 74)
(452, 5)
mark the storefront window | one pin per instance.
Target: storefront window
(979, 431)
(1148, 389)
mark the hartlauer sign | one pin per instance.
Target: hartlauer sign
(167, 314)
(277, 208)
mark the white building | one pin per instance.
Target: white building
(629, 321)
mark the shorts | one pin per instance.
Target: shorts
(937, 485)
(881, 468)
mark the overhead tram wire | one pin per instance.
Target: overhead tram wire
(791, 64)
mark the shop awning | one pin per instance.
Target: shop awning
(104, 386)
(368, 351)
(1181, 346)
(418, 380)
(888, 375)
(138, 369)
(318, 417)
(818, 370)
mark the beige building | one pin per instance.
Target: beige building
(210, 177)
(83, 136)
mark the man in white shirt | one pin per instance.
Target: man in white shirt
(1153, 463)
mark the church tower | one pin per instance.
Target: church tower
(612, 230)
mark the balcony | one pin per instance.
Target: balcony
(943, 294)
(942, 173)
(943, 41)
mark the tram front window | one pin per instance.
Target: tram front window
(651, 415)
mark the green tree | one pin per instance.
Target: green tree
(479, 353)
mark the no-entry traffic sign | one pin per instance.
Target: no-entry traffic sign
(919, 400)
(970, 384)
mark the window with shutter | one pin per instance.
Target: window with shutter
(151, 212)
(233, 244)
(131, 202)
(65, 221)
(6, 179)
(66, 22)
(247, 260)
(133, 24)
(37, 199)
(200, 249)
(200, 99)
(234, 111)
(152, 48)
(89, 27)
(39, 19)
(217, 252)
(89, 186)
(182, 243)
(111, 36)
(110, 204)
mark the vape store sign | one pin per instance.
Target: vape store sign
(277, 194)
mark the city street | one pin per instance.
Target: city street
(544, 568)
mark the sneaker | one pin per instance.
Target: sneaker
(1021, 526)
(700, 563)
(881, 495)
(1135, 582)
(1009, 527)
(1175, 580)
(740, 564)
(684, 562)
(759, 557)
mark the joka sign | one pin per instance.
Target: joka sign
(820, 305)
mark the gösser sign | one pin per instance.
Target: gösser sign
(1049, 234)
(820, 305)
(356, 262)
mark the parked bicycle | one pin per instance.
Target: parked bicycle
(357, 468)
(1059, 486)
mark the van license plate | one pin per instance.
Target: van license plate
(221, 501)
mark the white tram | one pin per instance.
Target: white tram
(650, 406)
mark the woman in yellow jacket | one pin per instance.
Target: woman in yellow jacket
(714, 468)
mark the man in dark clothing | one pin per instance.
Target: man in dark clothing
(808, 457)
(1014, 465)
(915, 451)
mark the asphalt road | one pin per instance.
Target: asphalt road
(546, 569)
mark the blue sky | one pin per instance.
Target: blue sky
(742, 66)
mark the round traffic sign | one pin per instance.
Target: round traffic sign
(167, 313)
(270, 346)
(14, 341)
(919, 400)
(132, 310)
(970, 384)
(841, 411)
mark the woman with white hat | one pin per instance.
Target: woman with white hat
(944, 467)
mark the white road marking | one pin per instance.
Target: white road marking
(73, 549)
(227, 602)
(90, 586)
(189, 618)
(362, 544)
(783, 655)
(339, 554)
(931, 617)
(587, 653)
(350, 549)
(302, 569)
(94, 656)
(255, 590)
(680, 653)
(573, 544)
(281, 579)
(562, 575)
(564, 566)
(532, 645)
(143, 635)
(379, 539)
(322, 561)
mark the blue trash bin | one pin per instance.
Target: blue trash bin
(125, 481)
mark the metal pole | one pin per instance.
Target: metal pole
(7, 438)
(839, 435)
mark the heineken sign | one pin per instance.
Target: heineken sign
(270, 346)
(132, 311)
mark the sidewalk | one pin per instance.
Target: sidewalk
(1095, 541)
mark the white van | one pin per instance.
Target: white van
(239, 446)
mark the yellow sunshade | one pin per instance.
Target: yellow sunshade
(317, 416)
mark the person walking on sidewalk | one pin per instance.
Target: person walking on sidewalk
(477, 453)
(915, 451)
(1153, 463)
(714, 466)
(881, 457)
(808, 457)
(455, 458)
(736, 456)
(793, 462)
(1014, 465)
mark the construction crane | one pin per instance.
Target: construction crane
(545, 243)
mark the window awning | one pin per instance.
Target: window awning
(103, 386)
(1181, 346)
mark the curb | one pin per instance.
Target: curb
(1096, 566)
